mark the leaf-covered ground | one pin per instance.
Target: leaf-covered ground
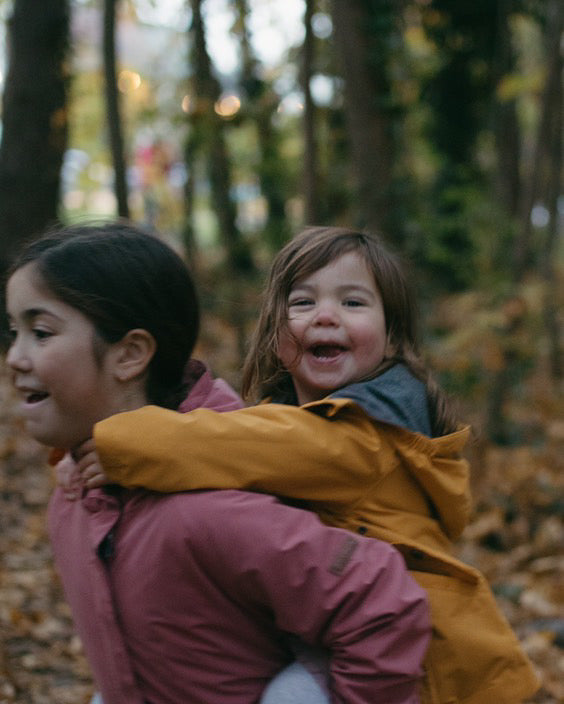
(516, 538)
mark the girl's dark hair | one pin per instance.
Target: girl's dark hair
(122, 278)
(316, 247)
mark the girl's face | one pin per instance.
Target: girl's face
(64, 389)
(336, 331)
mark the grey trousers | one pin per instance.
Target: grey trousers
(293, 685)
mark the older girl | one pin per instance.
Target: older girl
(187, 597)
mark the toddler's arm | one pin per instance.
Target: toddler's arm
(89, 467)
(67, 475)
(323, 453)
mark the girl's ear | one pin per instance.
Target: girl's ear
(133, 353)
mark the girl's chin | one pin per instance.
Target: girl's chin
(51, 442)
(52, 439)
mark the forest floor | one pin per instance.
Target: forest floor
(516, 538)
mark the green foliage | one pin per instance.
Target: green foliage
(88, 115)
(438, 83)
(464, 238)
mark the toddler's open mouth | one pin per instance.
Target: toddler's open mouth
(326, 351)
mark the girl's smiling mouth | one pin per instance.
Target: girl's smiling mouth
(31, 397)
(35, 397)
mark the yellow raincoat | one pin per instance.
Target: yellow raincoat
(358, 473)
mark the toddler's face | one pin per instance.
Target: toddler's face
(63, 388)
(336, 331)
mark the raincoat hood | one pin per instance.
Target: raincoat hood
(399, 400)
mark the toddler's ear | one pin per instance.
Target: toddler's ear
(133, 353)
(391, 348)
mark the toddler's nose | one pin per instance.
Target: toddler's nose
(327, 314)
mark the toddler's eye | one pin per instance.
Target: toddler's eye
(353, 303)
(300, 302)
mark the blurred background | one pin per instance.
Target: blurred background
(228, 125)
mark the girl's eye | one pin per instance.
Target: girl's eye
(41, 334)
(353, 303)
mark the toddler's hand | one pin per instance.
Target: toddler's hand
(91, 473)
(68, 477)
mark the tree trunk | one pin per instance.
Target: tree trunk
(113, 109)
(310, 144)
(506, 126)
(554, 189)
(35, 121)
(544, 182)
(366, 89)
(188, 234)
(460, 97)
(260, 106)
(210, 136)
(206, 146)
(534, 184)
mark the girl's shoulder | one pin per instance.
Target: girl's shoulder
(205, 391)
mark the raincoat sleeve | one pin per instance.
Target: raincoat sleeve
(326, 451)
(348, 594)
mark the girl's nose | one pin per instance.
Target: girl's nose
(16, 358)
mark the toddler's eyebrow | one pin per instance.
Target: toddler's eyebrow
(353, 286)
(341, 290)
(348, 288)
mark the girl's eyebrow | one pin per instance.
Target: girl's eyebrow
(31, 313)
